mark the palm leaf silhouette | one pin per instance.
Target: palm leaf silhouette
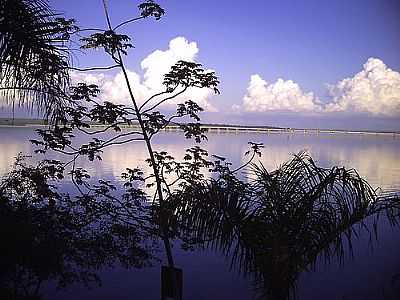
(279, 223)
(33, 54)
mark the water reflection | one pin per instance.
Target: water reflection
(13, 141)
(48, 235)
(350, 151)
(376, 158)
(378, 164)
(277, 227)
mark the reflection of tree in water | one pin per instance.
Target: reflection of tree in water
(272, 228)
(45, 236)
(277, 226)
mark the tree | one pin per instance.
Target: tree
(46, 236)
(34, 56)
(271, 212)
(276, 225)
(83, 108)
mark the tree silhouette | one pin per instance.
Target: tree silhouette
(273, 226)
(80, 108)
(46, 236)
(279, 223)
(34, 56)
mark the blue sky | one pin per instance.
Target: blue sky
(308, 44)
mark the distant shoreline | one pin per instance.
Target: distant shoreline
(19, 122)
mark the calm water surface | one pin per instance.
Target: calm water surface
(206, 274)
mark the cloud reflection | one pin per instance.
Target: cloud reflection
(376, 158)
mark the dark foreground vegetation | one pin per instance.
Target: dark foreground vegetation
(272, 227)
(58, 223)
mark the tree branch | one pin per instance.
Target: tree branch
(127, 22)
(123, 142)
(165, 99)
(152, 97)
(93, 68)
(107, 143)
(88, 29)
(156, 95)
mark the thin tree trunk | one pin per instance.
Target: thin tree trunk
(163, 215)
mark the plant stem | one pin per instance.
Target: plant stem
(164, 219)
(163, 214)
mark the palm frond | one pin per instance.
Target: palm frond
(281, 222)
(33, 54)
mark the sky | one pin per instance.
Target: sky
(289, 63)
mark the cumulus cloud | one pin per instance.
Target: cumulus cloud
(374, 90)
(155, 65)
(279, 96)
(159, 62)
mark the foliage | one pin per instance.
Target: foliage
(273, 226)
(151, 9)
(276, 225)
(47, 235)
(109, 40)
(81, 110)
(32, 35)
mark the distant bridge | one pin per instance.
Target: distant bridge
(255, 129)
(215, 128)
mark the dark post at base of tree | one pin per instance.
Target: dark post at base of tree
(168, 275)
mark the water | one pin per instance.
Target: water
(206, 274)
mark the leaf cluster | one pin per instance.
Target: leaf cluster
(151, 9)
(190, 74)
(32, 35)
(53, 235)
(277, 224)
(111, 42)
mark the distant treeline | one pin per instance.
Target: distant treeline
(21, 122)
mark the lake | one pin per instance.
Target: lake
(207, 274)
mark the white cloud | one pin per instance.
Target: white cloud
(155, 65)
(89, 78)
(279, 96)
(159, 62)
(374, 90)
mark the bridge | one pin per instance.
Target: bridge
(268, 130)
(217, 128)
